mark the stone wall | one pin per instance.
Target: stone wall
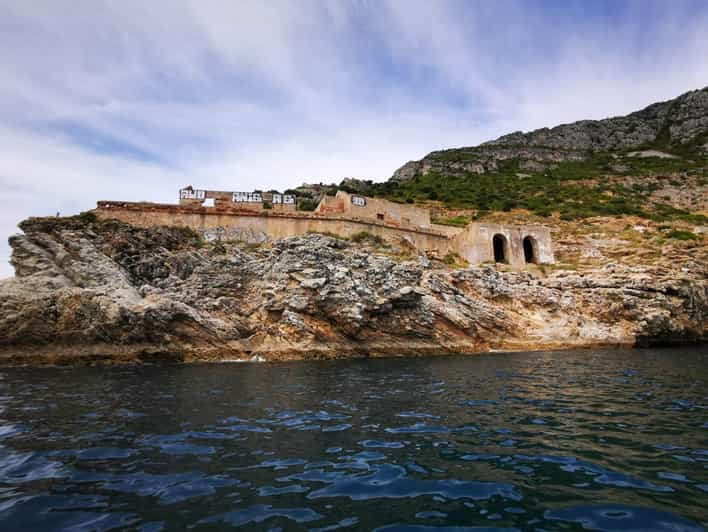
(474, 243)
(355, 206)
(266, 225)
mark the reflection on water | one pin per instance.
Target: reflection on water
(587, 440)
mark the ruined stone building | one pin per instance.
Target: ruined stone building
(258, 217)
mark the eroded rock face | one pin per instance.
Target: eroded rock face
(88, 290)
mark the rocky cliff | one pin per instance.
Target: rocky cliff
(90, 290)
(674, 122)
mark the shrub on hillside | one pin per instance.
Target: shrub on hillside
(682, 235)
(306, 204)
(365, 235)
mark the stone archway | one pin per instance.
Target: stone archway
(501, 248)
(530, 250)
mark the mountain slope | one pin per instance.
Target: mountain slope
(652, 163)
(672, 123)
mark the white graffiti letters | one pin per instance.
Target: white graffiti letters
(247, 197)
(190, 193)
(284, 199)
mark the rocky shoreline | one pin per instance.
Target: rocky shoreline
(90, 291)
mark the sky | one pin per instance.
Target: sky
(132, 100)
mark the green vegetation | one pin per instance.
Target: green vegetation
(88, 217)
(682, 235)
(454, 260)
(574, 189)
(455, 221)
(306, 204)
(362, 236)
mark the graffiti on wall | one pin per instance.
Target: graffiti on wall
(247, 197)
(190, 193)
(359, 201)
(283, 199)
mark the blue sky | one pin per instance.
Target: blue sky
(132, 100)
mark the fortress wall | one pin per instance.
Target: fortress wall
(253, 227)
(474, 243)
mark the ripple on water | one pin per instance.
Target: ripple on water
(617, 517)
(9, 430)
(430, 514)
(58, 512)
(96, 453)
(167, 488)
(260, 513)
(343, 523)
(337, 428)
(391, 482)
(267, 491)
(373, 444)
(419, 428)
(571, 464)
(425, 528)
(420, 415)
(28, 467)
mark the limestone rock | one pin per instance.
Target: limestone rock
(91, 290)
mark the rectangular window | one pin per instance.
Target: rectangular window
(380, 216)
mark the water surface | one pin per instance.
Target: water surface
(585, 440)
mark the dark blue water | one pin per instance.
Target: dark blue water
(587, 440)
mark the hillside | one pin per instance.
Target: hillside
(652, 163)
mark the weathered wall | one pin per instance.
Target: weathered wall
(262, 226)
(475, 243)
(449, 230)
(393, 213)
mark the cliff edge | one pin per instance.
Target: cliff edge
(99, 290)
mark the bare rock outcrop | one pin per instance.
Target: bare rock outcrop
(90, 290)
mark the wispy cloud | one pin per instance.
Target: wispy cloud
(131, 100)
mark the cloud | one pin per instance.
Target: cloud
(131, 100)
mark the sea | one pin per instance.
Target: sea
(577, 440)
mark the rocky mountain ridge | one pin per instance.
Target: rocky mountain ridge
(677, 121)
(89, 290)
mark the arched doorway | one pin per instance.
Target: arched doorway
(530, 250)
(501, 248)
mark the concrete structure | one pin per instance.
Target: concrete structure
(252, 217)
(516, 245)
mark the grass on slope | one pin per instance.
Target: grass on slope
(573, 189)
